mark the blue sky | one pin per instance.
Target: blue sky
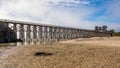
(83, 14)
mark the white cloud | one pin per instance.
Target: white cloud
(69, 1)
(23, 9)
(45, 11)
(37, 10)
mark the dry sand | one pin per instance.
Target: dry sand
(78, 53)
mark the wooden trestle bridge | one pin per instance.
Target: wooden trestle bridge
(40, 33)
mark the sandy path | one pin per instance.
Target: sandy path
(114, 41)
(79, 53)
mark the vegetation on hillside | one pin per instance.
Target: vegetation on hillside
(113, 33)
(104, 29)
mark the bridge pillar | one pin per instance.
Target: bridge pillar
(34, 34)
(61, 34)
(37, 34)
(47, 29)
(66, 34)
(50, 34)
(28, 34)
(31, 34)
(57, 33)
(53, 34)
(15, 32)
(21, 32)
(44, 36)
(71, 33)
(40, 34)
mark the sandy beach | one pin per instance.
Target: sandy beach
(77, 53)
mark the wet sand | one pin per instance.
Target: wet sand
(78, 53)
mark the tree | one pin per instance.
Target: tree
(100, 29)
(112, 32)
(96, 28)
(104, 28)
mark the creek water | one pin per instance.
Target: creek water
(15, 44)
(20, 44)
